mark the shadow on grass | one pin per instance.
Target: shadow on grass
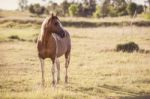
(126, 94)
(136, 97)
(118, 90)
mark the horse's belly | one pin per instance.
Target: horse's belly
(46, 53)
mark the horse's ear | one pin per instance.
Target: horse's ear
(52, 15)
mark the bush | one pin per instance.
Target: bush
(73, 10)
(14, 37)
(127, 47)
(112, 11)
(131, 8)
(97, 13)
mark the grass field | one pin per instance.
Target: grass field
(96, 70)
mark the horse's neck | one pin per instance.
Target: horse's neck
(45, 37)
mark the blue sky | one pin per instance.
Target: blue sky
(13, 4)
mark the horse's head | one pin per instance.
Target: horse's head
(54, 26)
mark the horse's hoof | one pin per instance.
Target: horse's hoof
(53, 82)
(66, 81)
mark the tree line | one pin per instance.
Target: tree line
(86, 8)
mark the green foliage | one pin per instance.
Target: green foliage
(55, 8)
(112, 11)
(65, 6)
(36, 9)
(131, 8)
(73, 10)
(97, 13)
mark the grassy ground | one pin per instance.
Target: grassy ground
(96, 71)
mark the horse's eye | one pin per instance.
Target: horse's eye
(56, 24)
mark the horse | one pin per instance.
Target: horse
(53, 42)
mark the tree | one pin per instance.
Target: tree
(65, 6)
(92, 6)
(113, 11)
(97, 13)
(149, 4)
(105, 8)
(119, 7)
(22, 4)
(36, 9)
(55, 8)
(73, 9)
(140, 9)
(131, 8)
(85, 8)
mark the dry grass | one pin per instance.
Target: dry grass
(95, 71)
(26, 19)
(26, 14)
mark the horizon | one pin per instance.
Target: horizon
(13, 4)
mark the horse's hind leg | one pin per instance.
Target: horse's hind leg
(42, 70)
(67, 57)
(58, 69)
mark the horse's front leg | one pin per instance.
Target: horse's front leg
(58, 69)
(42, 70)
(53, 72)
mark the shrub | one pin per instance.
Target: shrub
(14, 37)
(112, 11)
(131, 8)
(73, 9)
(127, 47)
(97, 13)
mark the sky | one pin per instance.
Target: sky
(13, 4)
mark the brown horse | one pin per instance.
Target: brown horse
(52, 43)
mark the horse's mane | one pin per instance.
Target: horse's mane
(46, 22)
